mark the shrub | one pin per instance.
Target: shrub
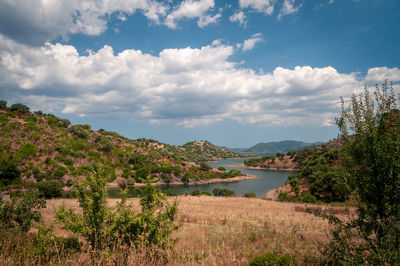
(273, 259)
(60, 172)
(3, 104)
(78, 131)
(50, 189)
(26, 150)
(308, 197)
(19, 108)
(221, 168)
(108, 228)
(21, 211)
(204, 166)
(223, 192)
(9, 173)
(250, 195)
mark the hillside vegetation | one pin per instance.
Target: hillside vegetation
(284, 146)
(37, 146)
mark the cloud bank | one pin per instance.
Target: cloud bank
(188, 87)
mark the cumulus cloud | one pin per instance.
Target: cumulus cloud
(288, 8)
(193, 9)
(264, 6)
(38, 21)
(188, 87)
(239, 17)
(250, 43)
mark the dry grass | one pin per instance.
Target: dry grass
(229, 231)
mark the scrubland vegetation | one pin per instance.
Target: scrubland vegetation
(361, 167)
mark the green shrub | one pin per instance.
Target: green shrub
(78, 131)
(108, 228)
(26, 150)
(273, 259)
(195, 192)
(21, 211)
(35, 136)
(221, 168)
(223, 192)
(19, 108)
(60, 172)
(4, 119)
(9, 173)
(50, 189)
(250, 195)
(308, 197)
(204, 166)
(3, 104)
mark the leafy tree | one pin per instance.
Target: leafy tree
(9, 172)
(3, 104)
(370, 129)
(223, 192)
(19, 107)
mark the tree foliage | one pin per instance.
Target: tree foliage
(370, 129)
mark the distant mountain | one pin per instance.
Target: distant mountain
(279, 146)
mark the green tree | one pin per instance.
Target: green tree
(3, 104)
(19, 107)
(370, 131)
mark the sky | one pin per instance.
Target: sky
(235, 73)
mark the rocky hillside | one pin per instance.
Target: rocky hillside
(38, 146)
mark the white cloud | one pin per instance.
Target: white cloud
(38, 21)
(239, 17)
(188, 87)
(264, 6)
(191, 9)
(378, 74)
(288, 8)
(250, 43)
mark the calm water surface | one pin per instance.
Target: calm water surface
(267, 180)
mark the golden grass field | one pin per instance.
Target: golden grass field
(228, 231)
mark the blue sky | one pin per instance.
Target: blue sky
(232, 72)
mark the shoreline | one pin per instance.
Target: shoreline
(263, 168)
(191, 183)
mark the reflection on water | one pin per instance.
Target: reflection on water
(267, 180)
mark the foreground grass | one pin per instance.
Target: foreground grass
(214, 231)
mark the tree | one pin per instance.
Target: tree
(19, 107)
(3, 104)
(370, 130)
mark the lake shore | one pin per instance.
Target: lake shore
(193, 182)
(263, 168)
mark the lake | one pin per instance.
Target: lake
(267, 180)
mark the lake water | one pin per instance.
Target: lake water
(267, 180)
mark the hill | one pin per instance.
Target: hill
(284, 146)
(206, 151)
(38, 146)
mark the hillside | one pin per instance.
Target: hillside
(37, 146)
(320, 175)
(206, 151)
(284, 146)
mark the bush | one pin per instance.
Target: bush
(108, 228)
(273, 259)
(221, 168)
(50, 189)
(60, 172)
(19, 108)
(21, 211)
(204, 166)
(3, 104)
(78, 131)
(26, 150)
(308, 197)
(9, 173)
(223, 192)
(250, 195)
